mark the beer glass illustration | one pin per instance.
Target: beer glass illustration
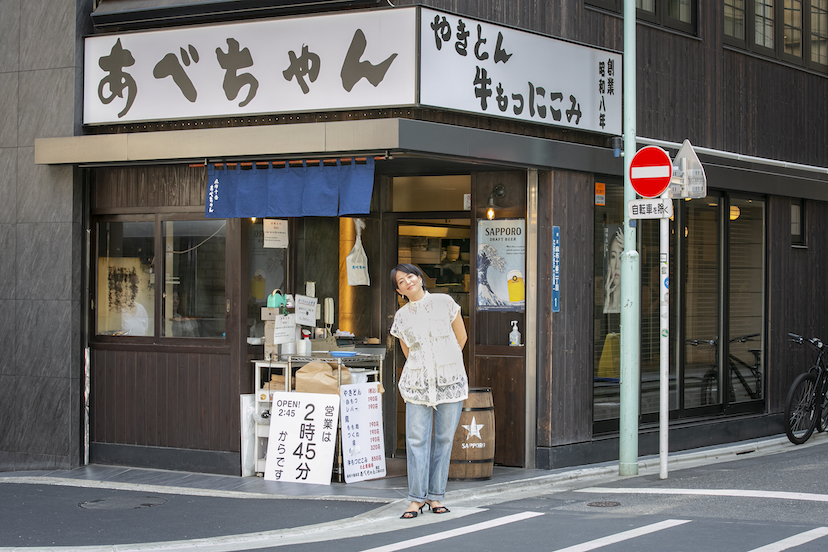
(517, 292)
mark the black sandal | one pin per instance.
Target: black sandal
(440, 510)
(411, 514)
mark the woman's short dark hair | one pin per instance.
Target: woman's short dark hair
(406, 268)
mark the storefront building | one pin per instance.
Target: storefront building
(171, 139)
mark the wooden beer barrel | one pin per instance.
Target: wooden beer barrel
(472, 453)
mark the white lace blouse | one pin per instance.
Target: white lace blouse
(433, 373)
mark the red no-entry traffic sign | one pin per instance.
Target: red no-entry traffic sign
(650, 171)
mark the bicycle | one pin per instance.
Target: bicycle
(710, 380)
(808, 391)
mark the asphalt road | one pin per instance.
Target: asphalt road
(757, 502)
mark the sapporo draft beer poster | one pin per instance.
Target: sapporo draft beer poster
(501, 261)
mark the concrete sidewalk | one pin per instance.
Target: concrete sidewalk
(212, 512)
(386, 490)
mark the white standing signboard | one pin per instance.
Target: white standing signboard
(302, 441)
(363, 446)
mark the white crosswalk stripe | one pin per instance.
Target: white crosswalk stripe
(793, 541)
(455, 532)
(624, 535)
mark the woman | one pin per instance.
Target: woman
(612, 279)
(433, 385)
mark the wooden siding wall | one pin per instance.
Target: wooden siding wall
(565, 199)
(177, 393)
(135, 189)
(164, 399)
(797, 291)
(494, 363)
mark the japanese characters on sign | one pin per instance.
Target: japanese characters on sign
(487, 69)
(302, 440)
(350, 60)
(501, 261)
(363, 446)
(650, 208)
(556, 269)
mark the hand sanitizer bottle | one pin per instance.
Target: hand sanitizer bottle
(514, 335)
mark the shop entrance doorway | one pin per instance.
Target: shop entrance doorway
(441, 247)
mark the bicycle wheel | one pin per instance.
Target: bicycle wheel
(822, 421)
(710, 388)
(800, 411)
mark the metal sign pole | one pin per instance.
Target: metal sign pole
(664, 339)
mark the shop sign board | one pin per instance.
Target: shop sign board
(556, 269)
(650, 171)
(302, 440)
(501, 260)
(363, 444)
(350, 60)
(477, 67)
(342, 61)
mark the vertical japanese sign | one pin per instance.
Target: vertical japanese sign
(501, 260)
(363, 446)
(302, 441)
(556, 269)
(347, 60)
(487, 69)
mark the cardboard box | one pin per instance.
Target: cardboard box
(270, 314)
(320, 377)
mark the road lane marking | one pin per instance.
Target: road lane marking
(793, 541)
(740, 493)
(455, 532)
(625, 535)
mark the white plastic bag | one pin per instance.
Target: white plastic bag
(356, 263)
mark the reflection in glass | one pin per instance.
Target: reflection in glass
(701, 304)
(126, 279)
(194, 281)
(747, 300)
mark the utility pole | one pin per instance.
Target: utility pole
(630, 284)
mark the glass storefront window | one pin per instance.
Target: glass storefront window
(701, 284)
(747, 300)
(609, 243)
(126, 278)
(194, 279)
(716, 282)
(267, 267)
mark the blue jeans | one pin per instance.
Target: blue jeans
(428, 453)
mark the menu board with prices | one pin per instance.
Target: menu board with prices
(363, 446)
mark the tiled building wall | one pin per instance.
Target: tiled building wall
(40, 236)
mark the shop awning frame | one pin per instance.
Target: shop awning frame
(406, 137)
(331, 139)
